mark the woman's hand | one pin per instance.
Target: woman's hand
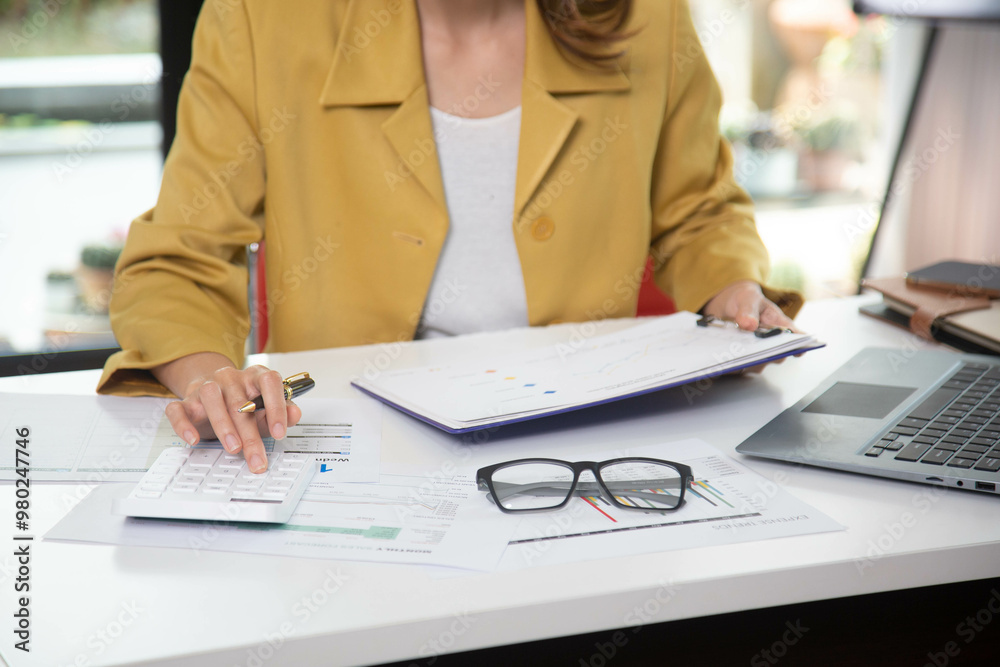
(213, 391)
(744, 303)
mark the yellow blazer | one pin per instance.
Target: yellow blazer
(308, 126)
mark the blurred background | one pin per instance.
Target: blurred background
(815, 98)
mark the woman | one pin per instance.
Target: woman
(357, 136)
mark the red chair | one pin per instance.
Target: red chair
(652, 301)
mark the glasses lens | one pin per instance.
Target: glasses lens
(643, 484)
(532, 486)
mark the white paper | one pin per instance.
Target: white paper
(661, 352)
(344, 435)
(422, 519)
(115, 439)
(727, 504)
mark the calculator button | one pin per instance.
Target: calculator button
(169, 469)
(203, 457)
(183, 488)
(304, 458)
(153, 486)
(215, 489)
(175, 453)
(146, 494)
(194, 471)
(188, 479)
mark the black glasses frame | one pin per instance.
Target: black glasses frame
(484, 479)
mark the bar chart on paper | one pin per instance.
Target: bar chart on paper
(725, 503)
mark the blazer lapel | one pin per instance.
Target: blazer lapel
(379, 62)
(411, 133)
(385, 67)
(547, 123)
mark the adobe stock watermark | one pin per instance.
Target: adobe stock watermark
(105, 636)
(444, 641)
(382, 361)
(635, 620)
(247, 150)
(95, 135)
(910, 173)
(101, 470)
(968, 629)
(302, 610)
(425, 148)
(31, 26)
(292, 279)
(894, 532)
(773, 654)
(586, 154)
(711, 31)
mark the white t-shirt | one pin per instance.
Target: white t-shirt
(478, 284)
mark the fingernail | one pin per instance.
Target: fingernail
(190, 437)
(256, 463)
(279, 431)
(232, 444)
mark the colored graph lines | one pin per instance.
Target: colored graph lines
(702, 489)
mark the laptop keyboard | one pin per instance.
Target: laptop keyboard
(957, 426)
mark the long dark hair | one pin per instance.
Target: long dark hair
(588, 29)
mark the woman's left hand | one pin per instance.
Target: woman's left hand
(743, 302)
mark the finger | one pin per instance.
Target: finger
(273, 391)
(181, 422)
(253, 445)
(772, 316)
(294, 414)
(747, 306)
(216, 408)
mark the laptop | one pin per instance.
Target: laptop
(918, 415)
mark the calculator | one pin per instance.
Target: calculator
(209, 484)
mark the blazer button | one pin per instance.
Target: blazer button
(543, 229)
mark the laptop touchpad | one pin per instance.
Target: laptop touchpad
(850, 399)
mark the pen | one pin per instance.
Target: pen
(295, 385)
(761, 332)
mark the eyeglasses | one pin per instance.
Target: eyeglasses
(532, 485)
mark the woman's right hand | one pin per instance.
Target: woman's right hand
(212, 392)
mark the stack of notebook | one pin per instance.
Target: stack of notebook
(954, 303)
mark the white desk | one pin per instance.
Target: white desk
(212, 608)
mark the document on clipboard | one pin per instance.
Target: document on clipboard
(662, 353)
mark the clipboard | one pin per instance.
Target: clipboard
(662, 353)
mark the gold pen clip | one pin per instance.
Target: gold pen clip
(288, 381)
(291, 378)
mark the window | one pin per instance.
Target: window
(79, 159)
(802, 81)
